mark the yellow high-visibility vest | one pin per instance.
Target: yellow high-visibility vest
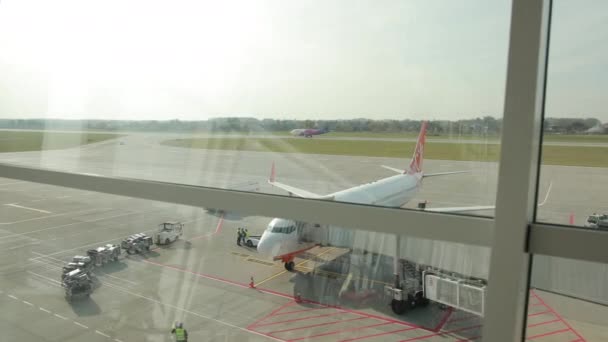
(180, 334)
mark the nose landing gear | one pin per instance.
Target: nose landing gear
(289, 266)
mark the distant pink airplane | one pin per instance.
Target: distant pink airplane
(308, 132)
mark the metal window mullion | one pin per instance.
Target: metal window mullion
(516, 193)
(411, 223)
(568, 242)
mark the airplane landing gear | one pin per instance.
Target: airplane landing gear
(289, 266)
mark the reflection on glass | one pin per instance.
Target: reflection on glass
(568, 300)
(81, 262)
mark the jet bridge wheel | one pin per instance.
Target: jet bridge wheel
(399, 306)
(289, 266)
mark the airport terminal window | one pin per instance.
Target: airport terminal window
(304, 99)
(321, 92)
(97, 265)
(568, 300)
(575, 142)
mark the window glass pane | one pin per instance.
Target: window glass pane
(336, 289)
(575, 144)
(568, 300)
(213, 94)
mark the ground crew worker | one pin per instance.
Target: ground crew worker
(245, 235)
(239, 236)
(181, 334)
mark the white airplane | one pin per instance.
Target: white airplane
(282, 239)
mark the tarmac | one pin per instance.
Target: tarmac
(204, 279)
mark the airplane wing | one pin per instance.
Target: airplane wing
(295, 191)
(480, 207)
(460, 209)
(426, 174)
(292, 190)
(443, 173)
(392, 169)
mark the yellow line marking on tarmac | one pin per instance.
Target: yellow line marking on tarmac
(300, 264)
(15, 205)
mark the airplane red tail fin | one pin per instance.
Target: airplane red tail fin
(416, 163)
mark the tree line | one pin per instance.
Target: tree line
(487, 125)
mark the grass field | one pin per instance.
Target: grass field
(552, 155)
(20, 141)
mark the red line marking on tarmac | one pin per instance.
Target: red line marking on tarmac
(340, 331)
(381, 318)
(543, 323)
(548, 334)
(379, 334)
(440, 334)
(537, 304)
(540, 313)
(298, 319)
(318, 325)
(218, 229)
(444, 319)
(269, 315)
(558, 316)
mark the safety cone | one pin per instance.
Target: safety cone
(298, 298)
(251, 283)
(571, 219)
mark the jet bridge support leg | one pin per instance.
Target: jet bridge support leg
(396, 261)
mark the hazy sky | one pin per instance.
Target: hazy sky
(125, 59)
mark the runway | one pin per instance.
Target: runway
(205, 282)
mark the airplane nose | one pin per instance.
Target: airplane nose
(265, 246)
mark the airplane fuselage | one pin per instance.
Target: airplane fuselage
(282, 238)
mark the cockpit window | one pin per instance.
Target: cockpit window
(284, 230)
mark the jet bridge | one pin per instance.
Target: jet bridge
(472, 261)
(424, 270)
